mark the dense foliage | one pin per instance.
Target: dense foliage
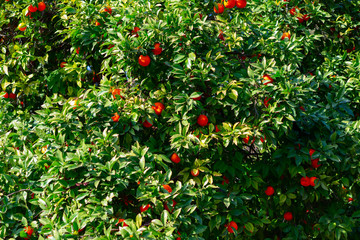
(136, 119)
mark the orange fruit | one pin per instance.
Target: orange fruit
(41, 6)
(78, 50)
(144, 208)
(217, 129)
(32, 9)
(285, 35)
(147, 124)
(97, 23)
(144, 60)
(116, 117)
(121, 221)
(240, 3)
(22, 27)
(267, 79)
(158, 108)
(134, 32)
(108, 9)
(195, 172)
(269, 191)
(167, 188)
(229, 3)
(305, 181)
(29, 230)
(202, 120)
(175, 158)
(116, 92)
(157, 49)
(288, 216)
(62, 64)
(220, 8)
(230, 227)
(312, 181)
(293, 10)
(315, 163)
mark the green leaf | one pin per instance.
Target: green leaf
(233, 94)
(249, 226)
(179, 58)
(138, 220)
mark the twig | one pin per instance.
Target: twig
(21, 190)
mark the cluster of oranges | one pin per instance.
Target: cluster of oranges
(32, 9)
(220, 7)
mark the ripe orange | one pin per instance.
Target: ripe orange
(12, 95)
(78, 50)
(269, 191)
(144, 208)
(62, 64)
(285, 35)
(240, 3)
(144, 60)
(230, 227)
(147, 124)
(116, 117)
(202, 120)
(195, 172)
(305, 181)
(217, 129)
(229, 3)
(311, 152)
(220, 9)
(41, 6)
(350, 199)
(108, 9)
(116, 92)
(157, 49)
(315, 163)
(22, 27)
(312, 181)
(29, 230)
(158, 108)
(288, 216)
(221, 35)
(6, 95)
(266, 101)
(97, 23)
(175, 158)
(32, 9)
(167, 188)
(134, 32)
(293, 10)
(267, 79)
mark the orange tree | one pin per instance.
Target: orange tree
(179, 119)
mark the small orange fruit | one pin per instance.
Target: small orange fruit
(144, 60)
(229, 3)
(202, 120)
(231, 226)
(288, 216)
(62, 64)
(175, 158)
(269, 191)
(22, 27)
(157, 49)
(121, 221)
(144, 208)
(305, 181)
(158, 108)
(285, 35)
(41, 6)
(116, 117)
(32, 9)
(195, 172)
(147, 124)
(167, 188)
(240, 3)
(267, 79)
(312, 181)
(29, 230)
(220, 8)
